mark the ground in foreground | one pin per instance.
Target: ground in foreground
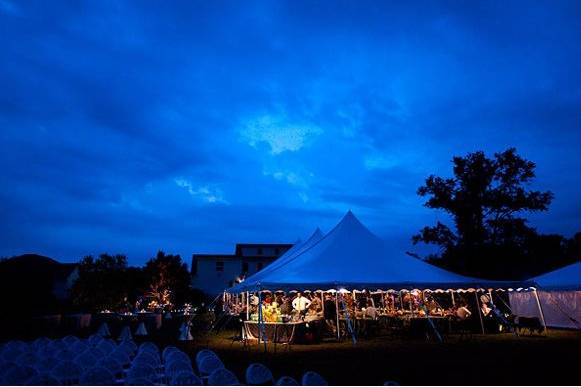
(492, 359)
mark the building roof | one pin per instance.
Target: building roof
(240, 246)
(226, 257)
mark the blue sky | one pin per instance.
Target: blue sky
(189, 126)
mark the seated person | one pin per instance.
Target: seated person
(370, 311)
(463, 313)
(485, 310)
(267, 299)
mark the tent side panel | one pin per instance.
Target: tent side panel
(524, 304)
(562, 308)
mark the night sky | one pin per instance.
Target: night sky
(190, 126)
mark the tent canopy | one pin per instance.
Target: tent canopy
(352, 257)
(565, 278)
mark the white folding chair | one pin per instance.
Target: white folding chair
(86, 360)
(311, 378)
(142, 371)
(185, 378)
(42, 379)
(97, 376)
(222, 377)
(258, 374)
(17, 375)
(204, 353)
(287, 381)
(209, 364)
(107, 346)
(67, 373)
(131, 381)
(147, 358)
(112, 365)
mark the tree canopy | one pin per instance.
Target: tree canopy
(102, 283)
(168, 278)
(107, 282)
(487, 200)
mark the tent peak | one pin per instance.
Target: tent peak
(350, 217)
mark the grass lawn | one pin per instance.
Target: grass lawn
(491, 359)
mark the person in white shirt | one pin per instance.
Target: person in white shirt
(301, 303)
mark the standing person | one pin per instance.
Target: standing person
(286, 306)
(316, 304)
(370, 311)
(301, 303)
(330, 313)
(369, 299)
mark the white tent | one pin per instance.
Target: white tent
(566, 278)
(560, 297)
(352, 257)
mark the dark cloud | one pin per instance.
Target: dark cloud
(132, 127)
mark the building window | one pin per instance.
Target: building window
(219, 266)
(244, 267)
(259, 266)
(259, 251)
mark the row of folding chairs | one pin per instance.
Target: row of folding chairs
(101, 361)
(213, 372)
(92, 361)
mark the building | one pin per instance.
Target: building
(212, 273)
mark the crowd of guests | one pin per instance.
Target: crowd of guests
(309, 306)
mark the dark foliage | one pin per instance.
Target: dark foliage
(105, 283)
(30, 284)
(487, 199)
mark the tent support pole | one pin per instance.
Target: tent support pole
(261, 327)
(337, 313)
(259, 311)
(323, 302)
(401, 301)
(479, 311)
(540, 310)
(452, 295)
(383, 299)
(247, 306)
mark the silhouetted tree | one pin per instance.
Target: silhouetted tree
(102, 283)
(486, 200)
(168, 278)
